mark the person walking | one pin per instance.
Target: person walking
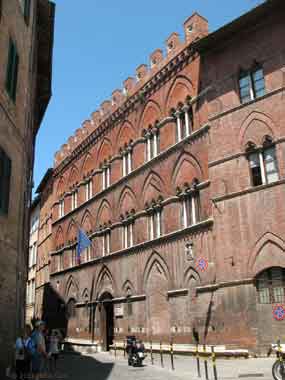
(54, 351)
(22, 357)
(37, 349)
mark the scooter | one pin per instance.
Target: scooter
(136, 353)
(278, 368)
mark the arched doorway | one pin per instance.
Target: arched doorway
(106, 309)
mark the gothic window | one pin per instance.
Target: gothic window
(152, 144)
(61, 208)
(270, 285)
(263, 166)
(74, 199)
(190, 210)
(106, 243)
(127, 162)
(88, 190)
(106, 175)
(71, 309)
(184, 122)
(154, 224)
(127, 235)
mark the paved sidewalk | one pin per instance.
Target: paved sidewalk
(186, 367)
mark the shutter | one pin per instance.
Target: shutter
(9, 72)
(15, 75)
(27, 4)
(5, 174)
(270, 164)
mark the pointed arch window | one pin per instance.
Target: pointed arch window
(263, 163)
(190, 205)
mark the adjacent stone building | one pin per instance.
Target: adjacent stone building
(178, 180)
(33, 247)
(26, 39)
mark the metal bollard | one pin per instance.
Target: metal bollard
(214, 363)
(205, 362)
(171, 355)
(124, 348)
(161, 354)
(115, 349)
(151, 354)
(198, 361)
(280, 357)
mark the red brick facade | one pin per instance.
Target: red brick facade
(170, 161)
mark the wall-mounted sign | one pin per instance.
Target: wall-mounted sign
(278, 312)
(202, 264)
(119, 310)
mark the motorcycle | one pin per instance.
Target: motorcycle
(278, 368)
(136, 352)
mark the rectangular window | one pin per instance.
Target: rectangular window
(12, 71)
(127, 235)
(5, 179)
(263, 167)
(74, 197)
(106, 242)
(88, 190)
(106, 177)
(190, 210)
(270, 164)
(127, 163)
(154, 225)
(61, 208)
(251, 85)
(152, 145)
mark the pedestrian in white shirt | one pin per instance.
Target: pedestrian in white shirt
(54, 350)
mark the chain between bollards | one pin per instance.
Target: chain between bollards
(171, 355)
(198, 361)
(151, 353)
(281, 361)
(161, 354)
(214, 363)
(205, 362)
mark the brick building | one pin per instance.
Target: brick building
(26, 38)
(186, 163)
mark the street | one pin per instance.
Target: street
(104, 366)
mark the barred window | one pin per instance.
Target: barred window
(270, 285)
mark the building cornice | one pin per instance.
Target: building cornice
(176, 64)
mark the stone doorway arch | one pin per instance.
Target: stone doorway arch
(106, 310)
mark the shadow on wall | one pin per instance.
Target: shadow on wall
(54, 310)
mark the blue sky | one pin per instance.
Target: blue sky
(98, 45)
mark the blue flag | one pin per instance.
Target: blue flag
(83, 243)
